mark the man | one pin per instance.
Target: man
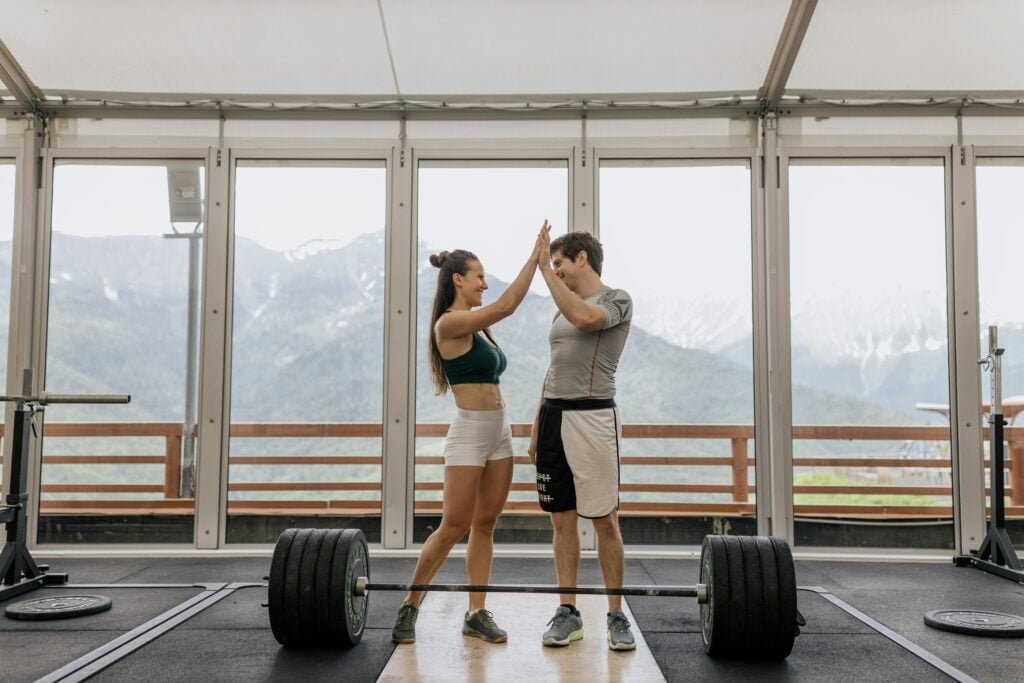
(575, 442)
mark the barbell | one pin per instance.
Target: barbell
(320, 586)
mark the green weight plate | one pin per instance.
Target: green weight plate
(351, 560)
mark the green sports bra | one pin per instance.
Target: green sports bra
(482, 364)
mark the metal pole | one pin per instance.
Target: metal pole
(191, 375)
(188, 428)
(45, 398)
(996, 354)
(362, 587)
(996, 430)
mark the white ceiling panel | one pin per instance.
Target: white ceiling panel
(459, 47)
(471, 48)
(889, 45)
(200, 46)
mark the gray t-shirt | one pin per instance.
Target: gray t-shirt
(583, 363)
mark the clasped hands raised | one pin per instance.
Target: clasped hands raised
(542, 247)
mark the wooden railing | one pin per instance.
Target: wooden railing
(165, 496)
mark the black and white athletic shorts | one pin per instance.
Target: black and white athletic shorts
(578, 456)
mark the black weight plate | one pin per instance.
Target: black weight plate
(275, 591)
(323, 586)
(734, 645)
(767, 642)
(348, 610)
(714, 614)
(58, 607)
(308, 597)
(787, 599)
(754, 601)
(976, 622)
(295, 629)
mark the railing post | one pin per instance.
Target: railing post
(1016, 450)
(172, 466)
(740, 483)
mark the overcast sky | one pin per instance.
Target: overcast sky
(874, 231)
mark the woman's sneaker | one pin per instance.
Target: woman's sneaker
(480, 624)
(566, 626)
(620, 637)
(405, 626)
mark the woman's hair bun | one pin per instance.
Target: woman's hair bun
(437, 260)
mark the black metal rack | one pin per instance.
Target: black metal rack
(996, 554)
(19, 572)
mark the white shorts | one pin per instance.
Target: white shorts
(478, 436)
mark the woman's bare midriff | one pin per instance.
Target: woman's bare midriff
(478, 396)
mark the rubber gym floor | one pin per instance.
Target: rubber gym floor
(864, 623)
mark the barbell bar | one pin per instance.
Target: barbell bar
(363, 586)
(320, 587)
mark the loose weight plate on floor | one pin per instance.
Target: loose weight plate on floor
(750, 611)
(976, 622)
(58, 607)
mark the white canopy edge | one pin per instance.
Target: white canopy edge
(23, 97)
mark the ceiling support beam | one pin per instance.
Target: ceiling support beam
(18, 83)
(792, 37)
(396, 111)
(743, 109)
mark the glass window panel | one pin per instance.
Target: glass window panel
(7, 175)
(125, 238)
(494, 210)
(1000, 197)
(307, 369)
(869, 353)
(676, 235)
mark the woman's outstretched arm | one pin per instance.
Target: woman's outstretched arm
(461, 323)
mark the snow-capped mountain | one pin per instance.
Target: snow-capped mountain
(299, 323)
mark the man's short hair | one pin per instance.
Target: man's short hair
(572, 243)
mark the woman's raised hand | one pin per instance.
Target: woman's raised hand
(543, 244)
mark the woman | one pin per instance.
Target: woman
(478, 450)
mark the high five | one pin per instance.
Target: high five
(465, 358)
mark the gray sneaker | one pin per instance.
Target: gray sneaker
(480, 624)
(565, 628)
(619, 635)
(405, 626)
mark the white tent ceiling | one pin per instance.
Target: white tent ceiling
(330, 54)
(912, 45)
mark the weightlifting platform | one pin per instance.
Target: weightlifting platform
(227, 635)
